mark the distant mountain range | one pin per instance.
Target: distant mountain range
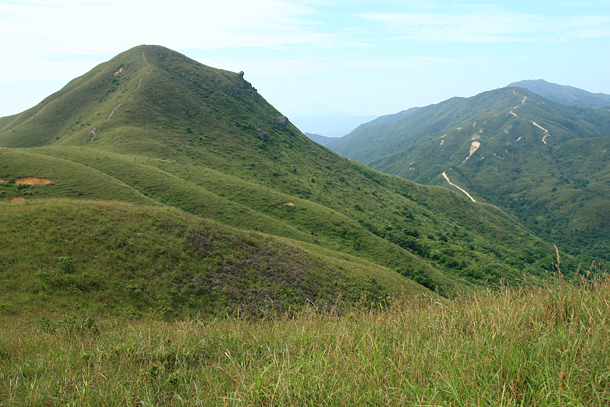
(159, 134)
(564, 94)
(546, 162)
(329, 125)
(322, 140)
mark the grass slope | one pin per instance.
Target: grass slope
(157, 127)
(544, 346)
(531, 156)
(119, 258)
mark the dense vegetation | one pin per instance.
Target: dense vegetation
(544, 346)
(564, 94)
(154, 127)
(545, 162)
(171, 239)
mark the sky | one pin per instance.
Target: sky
(316, 57)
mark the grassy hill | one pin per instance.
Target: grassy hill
(152, 127)
(133, 260)
(545, 162)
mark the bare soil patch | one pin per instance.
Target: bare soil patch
(17, 199)
(32, 181)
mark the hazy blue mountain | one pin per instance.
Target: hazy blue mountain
(329, 125)
(323, 140)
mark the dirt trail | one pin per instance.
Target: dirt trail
(94, 132)
(522, 102)
(133, 92)
(546, 132)
(137, 87)
(461, 189)
(145, 60)
(113, 110)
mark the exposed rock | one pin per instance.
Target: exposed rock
(241, 74)
(118, 71)
(283, 121)
(262, 134)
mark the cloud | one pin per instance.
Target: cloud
(80, 26)
(488, 27)
(103, 28)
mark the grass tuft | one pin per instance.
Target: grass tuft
(537, 346)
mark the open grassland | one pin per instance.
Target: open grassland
(136, 260)
(154, 127)
(547, 345)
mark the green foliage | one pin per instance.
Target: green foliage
(542, 346)
(564, 94)
(244, 165)
(559, 187)
(121, 259)
(69, 325)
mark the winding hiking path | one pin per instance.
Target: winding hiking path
(94, 132)
(546, 132)
(461, 189)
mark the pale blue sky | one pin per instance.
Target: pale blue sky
(311, 57)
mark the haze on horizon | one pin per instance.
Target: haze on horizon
(316, 57)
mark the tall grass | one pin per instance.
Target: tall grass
(548, 345)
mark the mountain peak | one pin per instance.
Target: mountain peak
(564, 94)
(148, 86)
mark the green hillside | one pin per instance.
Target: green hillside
(568, 95)
(153, 127)
(545, 162)
(125, 259)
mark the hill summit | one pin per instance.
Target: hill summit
(155, 128)
(545, 162)
(568, 95)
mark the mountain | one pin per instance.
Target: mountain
(543, 161)
(564, 94)
(152, 127)
(330, 125)
(382, 120)
(369, 126)
(322, 140)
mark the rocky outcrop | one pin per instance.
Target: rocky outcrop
(283, 121)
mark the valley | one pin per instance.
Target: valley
(304, 203)
(152, 127)
(533, 157)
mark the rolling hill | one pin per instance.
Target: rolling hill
(152, 127)
(545, 162)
